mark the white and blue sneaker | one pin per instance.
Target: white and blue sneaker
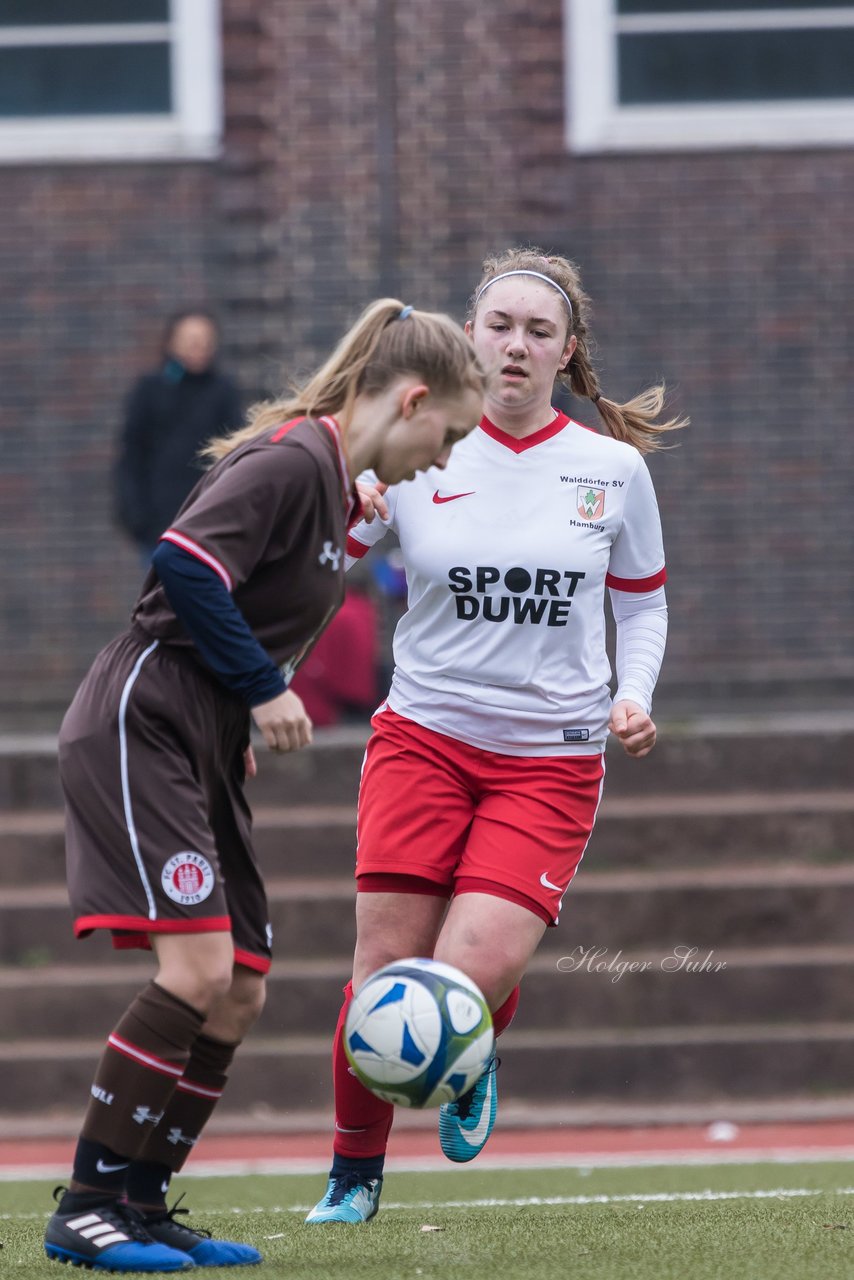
(349, 1198)
(465, 1125)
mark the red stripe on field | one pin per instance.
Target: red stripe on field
(575, 1144)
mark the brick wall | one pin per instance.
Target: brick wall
(91, 259)
(385, 146)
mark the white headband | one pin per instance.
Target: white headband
(522, 271)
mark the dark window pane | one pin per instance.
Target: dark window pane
(745, 66)
(81, 80)
(38, 13)
(722, 6)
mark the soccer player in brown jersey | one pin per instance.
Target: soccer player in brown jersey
(154, 751)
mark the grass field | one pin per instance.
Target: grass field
(668, 1222)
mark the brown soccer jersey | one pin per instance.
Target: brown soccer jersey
(270, 519)
(158, 832)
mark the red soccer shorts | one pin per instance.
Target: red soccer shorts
(468, 820)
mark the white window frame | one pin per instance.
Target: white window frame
(596, 122)
(191, 131)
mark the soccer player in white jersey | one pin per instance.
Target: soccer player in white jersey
(484, 772)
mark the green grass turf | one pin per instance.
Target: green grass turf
(606, 1230)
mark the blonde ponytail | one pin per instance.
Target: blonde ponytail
(387, 341)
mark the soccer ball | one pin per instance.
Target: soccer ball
(418, 1033)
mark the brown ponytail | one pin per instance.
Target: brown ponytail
(637, 422)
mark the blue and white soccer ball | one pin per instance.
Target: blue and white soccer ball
(418, 1033)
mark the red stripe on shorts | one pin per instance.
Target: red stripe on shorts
(141, 924)
(260, 964)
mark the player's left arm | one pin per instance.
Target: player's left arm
(636, 577)
(641, 636)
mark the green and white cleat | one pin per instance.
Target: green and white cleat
(350, 1198)
(465, 1125)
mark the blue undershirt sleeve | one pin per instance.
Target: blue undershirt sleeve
(218, 629)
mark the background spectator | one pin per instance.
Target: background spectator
(170, 414)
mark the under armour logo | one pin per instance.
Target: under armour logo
(177, 1135)
(144, 1115)
(330, 555)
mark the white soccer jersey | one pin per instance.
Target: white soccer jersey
(508, 552)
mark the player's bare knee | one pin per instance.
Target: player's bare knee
(234, 1013)
(200, 988)
(496, 972)
(372, 955)
(247, 996)
(364, 966)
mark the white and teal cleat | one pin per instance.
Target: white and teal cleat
(465, 1125)
(350, 1198)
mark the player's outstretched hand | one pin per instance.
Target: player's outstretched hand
(372, 500)
(634, 727)
(283, 722)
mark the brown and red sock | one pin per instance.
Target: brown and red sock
(144, 1059)
(185, 1116)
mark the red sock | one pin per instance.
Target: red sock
(362, 1121)
(502, 1017)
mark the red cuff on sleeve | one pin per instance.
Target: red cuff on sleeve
(638, 585)
(355, 548)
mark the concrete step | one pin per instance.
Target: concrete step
(693, 830)
(720, 908)
(686, 986)
(690, 830)
(312, 840)
(647, 1065)
(699, 754)
(678, 1064)
(309, 917)
(772, 751)
(586, 989)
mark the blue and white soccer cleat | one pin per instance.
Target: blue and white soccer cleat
(350, 1198)
(465, 1125)
(109, 1237)
(198, 1244)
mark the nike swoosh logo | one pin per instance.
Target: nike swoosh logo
(110, 1168)
(547, 884)
(474, 1137)
(340, 1129)
(452, 497)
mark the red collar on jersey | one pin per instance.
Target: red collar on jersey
(333, 428)
(528, 442)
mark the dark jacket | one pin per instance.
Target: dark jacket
(169, 417)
